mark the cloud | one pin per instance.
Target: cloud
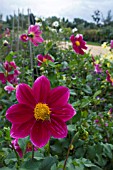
(62, 8)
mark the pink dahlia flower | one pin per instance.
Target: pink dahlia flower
(34, 34)
(109, 78)
(111, 44)
(78, 43)
(24, 38)
(42, 59)
(96, 66)
(10, 72)
(41, 112)
(9, 88)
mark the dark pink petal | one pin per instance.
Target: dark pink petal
(81, 51)
(41, 89)
(64, 113)
(24, 95)
(72, 38)
(40, 59)
(40, 134)
(57, 128)
(2, 78)
(19, 113)
(58, 96)
(10, 77)
(22, 130)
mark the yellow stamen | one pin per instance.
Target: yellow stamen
(42, 112)
(29, 145)
(44, 59)
(77, 43)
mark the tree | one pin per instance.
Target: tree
(96, 17)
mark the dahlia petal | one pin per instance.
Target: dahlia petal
(58, 96)
(19, 113)
(2, 78)
(21, 130)
(57, 128)
(38, 39)
(72, 38)
(24, 95)
(81, 51)
(39, 135)
(41, 89)
(64, 113)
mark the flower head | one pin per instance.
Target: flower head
(34, 34)
(9, 73)
(78, 43)
(42, 59)
(41, 112)
(97, 67)
(24, 37)
(9, 88)
(109, 78)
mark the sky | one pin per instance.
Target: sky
(61, 8)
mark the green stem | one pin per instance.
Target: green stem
(17, 156)
(69, 148)
(33, 152)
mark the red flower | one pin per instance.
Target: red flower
(42, 59)
(41, 112)
(78, 43)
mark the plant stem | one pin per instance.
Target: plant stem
(33, 152)
(69, 148)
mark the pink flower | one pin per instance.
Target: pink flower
(9, 73)
(111, 44)
(78, 43)
(24, 37)
(34, 34)
(17, 147)
(108, 78)
(9, 88)
(7, 32)
(42, 59)
(96, 66)
(41, 112)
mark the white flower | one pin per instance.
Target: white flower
(55, 24)
(74, 30)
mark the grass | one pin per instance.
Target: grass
(93, 43)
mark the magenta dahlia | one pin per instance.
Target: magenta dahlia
(43, 59)
(41, 112)
(34, 34)
(78, 43)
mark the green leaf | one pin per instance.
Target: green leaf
(9, 57)
(96, 94)
(47, 163)
(31, 164)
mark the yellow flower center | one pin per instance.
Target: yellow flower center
(42, 112)
(77, 43)
(44, 59)
(29, 145)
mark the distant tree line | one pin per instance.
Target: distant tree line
(101, 29)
